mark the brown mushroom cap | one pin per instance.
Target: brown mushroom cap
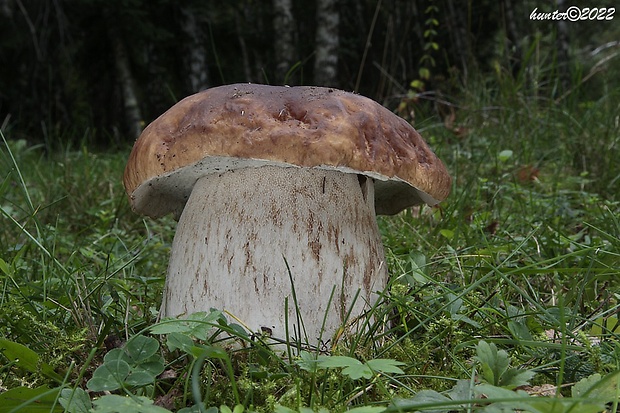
(247, 125)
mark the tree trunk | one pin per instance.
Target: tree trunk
(196, 54)
(284, 48)
(243, 48)
(327, 43)
(133, 117)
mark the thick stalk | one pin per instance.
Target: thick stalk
(240, 229)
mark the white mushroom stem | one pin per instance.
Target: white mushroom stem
(241, 228)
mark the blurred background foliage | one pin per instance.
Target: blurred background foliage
(97, 71)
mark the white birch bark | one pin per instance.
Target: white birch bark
(284, 27)
(196, 52)
(133, 116)
(327, 42)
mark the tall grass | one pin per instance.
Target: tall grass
(523, 255)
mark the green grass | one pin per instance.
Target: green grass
(513, 279)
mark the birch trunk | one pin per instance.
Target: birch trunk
(195, 55)
(133, 117)
(243, 48)
(284, 26)
(327, 43)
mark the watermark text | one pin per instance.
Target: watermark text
(574, 13)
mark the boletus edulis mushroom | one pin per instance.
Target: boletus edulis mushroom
(275, 189)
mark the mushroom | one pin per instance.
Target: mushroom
(276, 190)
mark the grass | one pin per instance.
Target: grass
(509, 288)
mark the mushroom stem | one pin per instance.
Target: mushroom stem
(239, 231)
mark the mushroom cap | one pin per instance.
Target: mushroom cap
(248, 125)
